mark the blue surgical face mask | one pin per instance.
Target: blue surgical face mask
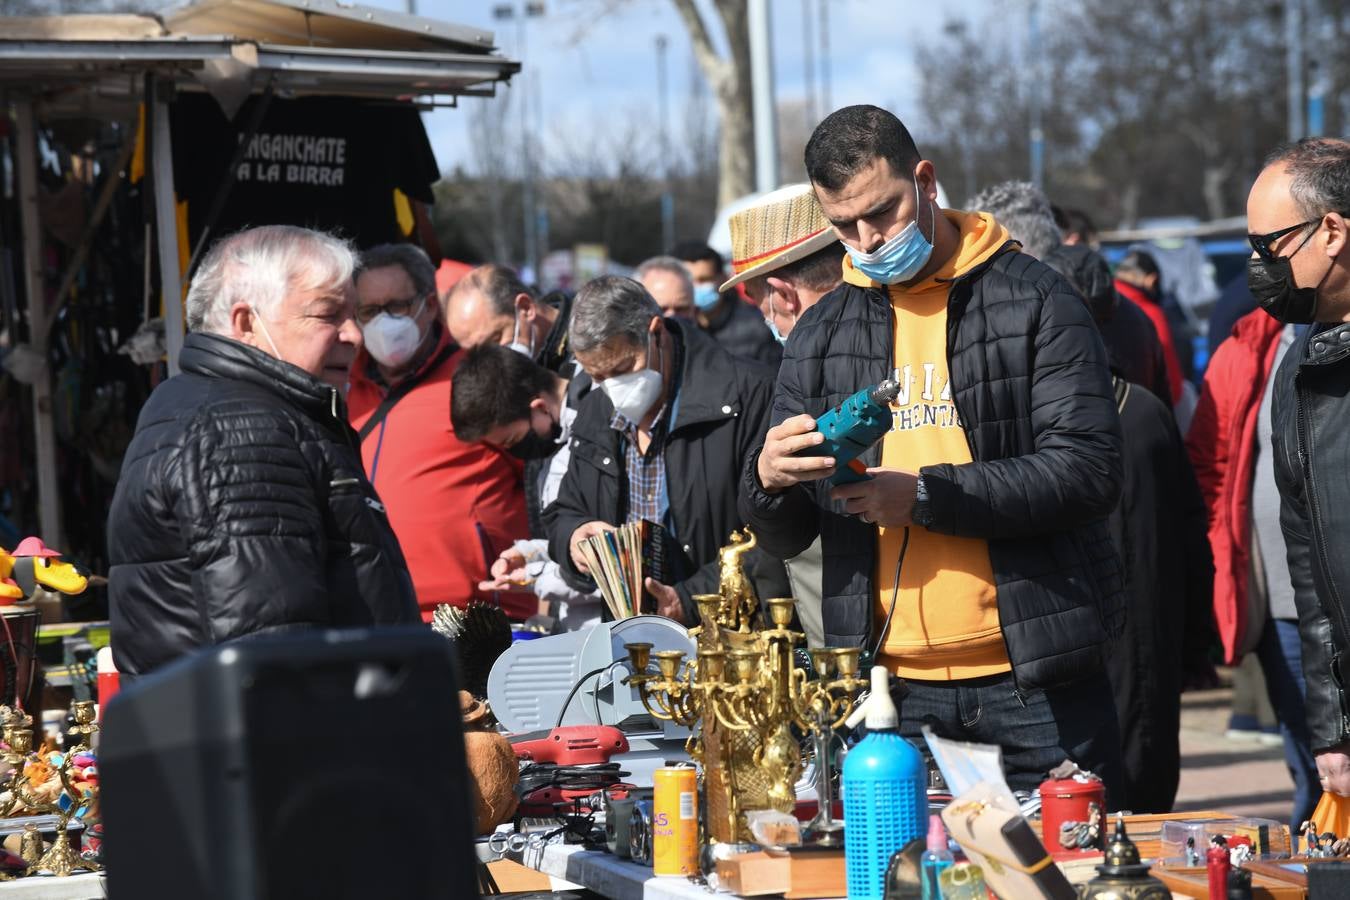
(773, 326)
(773, 329)
(706, 296)
(901, 257)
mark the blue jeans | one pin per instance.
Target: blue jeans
(1282, 663)
(1037, 731)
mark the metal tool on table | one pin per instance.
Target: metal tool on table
(852, 427)
(640, 832)
(530, 687)
(569, 764)
(548, 789)
(619, 816)
(570, 745)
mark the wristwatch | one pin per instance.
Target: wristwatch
(921, 515)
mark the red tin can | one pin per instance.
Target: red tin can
(1070, 800)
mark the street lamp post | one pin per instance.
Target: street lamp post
(529, 214)
(667, 198)
(1293, 54)
(808, 68)
(762, 89)
(825, 107)
(1037, 134)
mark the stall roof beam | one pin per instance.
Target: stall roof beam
(73, 58)
(53, 68)
(322, 23)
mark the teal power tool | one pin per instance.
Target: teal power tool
(852, 428)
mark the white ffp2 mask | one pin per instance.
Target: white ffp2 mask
(392, 340)
(634, 394)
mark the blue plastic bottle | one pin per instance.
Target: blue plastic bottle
(885, 787)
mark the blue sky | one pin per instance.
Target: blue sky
(594, 76)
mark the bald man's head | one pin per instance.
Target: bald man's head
(489, 305)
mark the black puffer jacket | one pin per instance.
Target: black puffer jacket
(1132, 345)
(721, 415)
(1031, 386)
(242, 508)
(1312, 449)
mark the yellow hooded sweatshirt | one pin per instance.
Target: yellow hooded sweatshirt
(946, 624)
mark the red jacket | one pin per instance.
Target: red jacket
(1222, 446)
(453, 505)
(1154, 311)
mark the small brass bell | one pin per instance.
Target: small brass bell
(1123, 876)
(30, 845)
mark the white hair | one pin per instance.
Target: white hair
(1024, 210)
(261, 267)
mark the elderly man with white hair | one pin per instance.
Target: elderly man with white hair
(242, 507)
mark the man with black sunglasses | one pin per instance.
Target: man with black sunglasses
(1299, 273)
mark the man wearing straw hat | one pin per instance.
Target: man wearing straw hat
(788, 257)
(786, 254)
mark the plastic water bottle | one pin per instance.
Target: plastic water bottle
(885, 787)
(936, 859)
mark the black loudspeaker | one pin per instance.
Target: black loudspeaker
(328, 764)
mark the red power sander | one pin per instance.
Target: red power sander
(567, 764)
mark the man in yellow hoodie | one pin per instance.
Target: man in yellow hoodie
(975, 560)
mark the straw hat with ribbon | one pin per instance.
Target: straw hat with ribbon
(784, 226)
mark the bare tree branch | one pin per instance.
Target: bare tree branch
(715, 68)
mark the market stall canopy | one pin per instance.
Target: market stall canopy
(79, 63)
(325, 23)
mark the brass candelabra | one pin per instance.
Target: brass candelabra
(743, 696)
(61, 858)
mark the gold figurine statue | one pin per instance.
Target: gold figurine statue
(739, 601)
(742, 695)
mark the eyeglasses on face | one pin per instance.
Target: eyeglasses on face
(398, 308)
(1262, 243)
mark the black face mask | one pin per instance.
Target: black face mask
(1272, 284)
(532, 446)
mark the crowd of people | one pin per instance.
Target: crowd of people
(1061, 532)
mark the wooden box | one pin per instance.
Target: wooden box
(1194, 880)
(753, 874)
(513, 878)
(817, 873)
(1145, 831)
